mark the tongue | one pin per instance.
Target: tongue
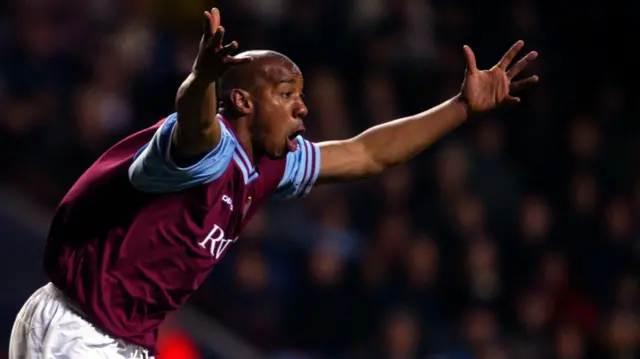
(292, 144)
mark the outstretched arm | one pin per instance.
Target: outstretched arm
(197, 131)
(397, 141)
(385, 145)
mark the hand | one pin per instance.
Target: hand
(484, 90)
(214, 59)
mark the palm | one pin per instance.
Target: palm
(484, 90)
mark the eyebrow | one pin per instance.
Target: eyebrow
(287, 80)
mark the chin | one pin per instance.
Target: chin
(277, 155)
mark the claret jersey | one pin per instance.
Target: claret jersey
(136, 234)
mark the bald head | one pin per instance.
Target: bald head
(264, 100)
(267, 67)
(260, 55)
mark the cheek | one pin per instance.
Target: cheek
(278, 119)
(270, 135)
(272, 126)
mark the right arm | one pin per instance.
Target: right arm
(191, 147)
(198, 131)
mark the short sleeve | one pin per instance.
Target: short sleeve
(301, 171)
(154, 171)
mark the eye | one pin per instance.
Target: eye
(287, 94)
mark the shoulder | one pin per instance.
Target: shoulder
(297, 172)
(153, 169)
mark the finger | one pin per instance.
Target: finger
(510, 55)
(520, 65)
(206, 26)
(512, 99)
(229, 48)
(222, 31)
(215, 19)
(230, 60)
(216, 41)
(519, 85)
(470, 58)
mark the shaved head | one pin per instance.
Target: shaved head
(264, 96)
(267, 67)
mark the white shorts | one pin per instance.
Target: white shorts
(47, 328)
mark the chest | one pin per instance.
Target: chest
(231, 202)
(235, 204)
(234, 201)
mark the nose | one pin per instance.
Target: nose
(301, 110)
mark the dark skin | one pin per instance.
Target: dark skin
(263, 100)
(261, 95)
(198, 131)
(267, 107)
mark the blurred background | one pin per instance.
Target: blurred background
(515, 237)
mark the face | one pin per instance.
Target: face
(279, 109)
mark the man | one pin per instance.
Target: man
(145, 224)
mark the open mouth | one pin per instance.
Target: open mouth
(292, 143)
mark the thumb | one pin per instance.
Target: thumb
(206, 27)
(470, 59)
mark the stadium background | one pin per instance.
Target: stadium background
(516, 237)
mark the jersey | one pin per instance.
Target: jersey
(136, 234)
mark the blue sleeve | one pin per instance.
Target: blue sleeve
(301, 171)
(154, 171)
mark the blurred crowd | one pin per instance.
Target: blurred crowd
(515, 237)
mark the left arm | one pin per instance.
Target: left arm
(382, 146)
(388, 144)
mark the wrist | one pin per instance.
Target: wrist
(198, 78)
(192, 88)
(461, 103)
(195, 83)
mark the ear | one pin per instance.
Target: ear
(241, 101)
